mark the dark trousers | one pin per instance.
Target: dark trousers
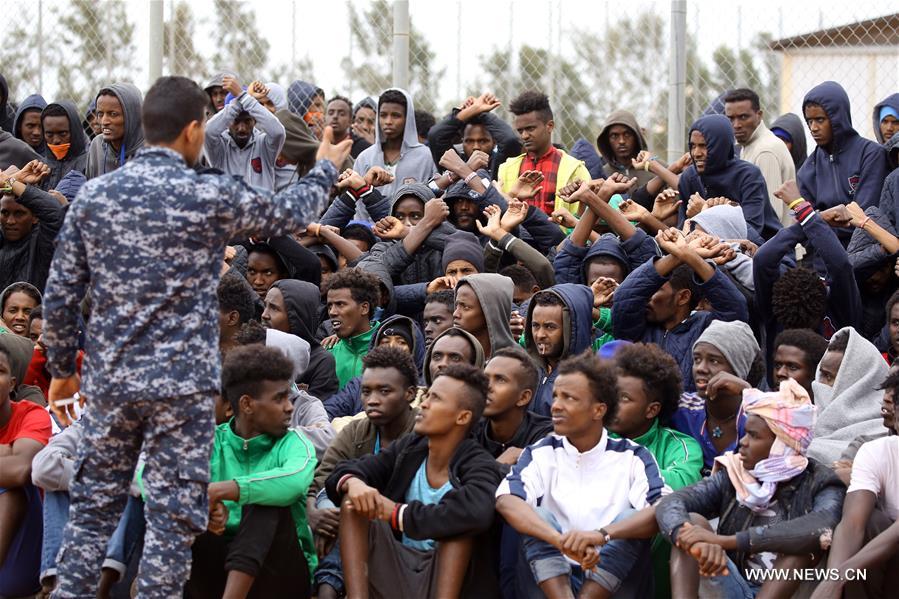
(266, 547)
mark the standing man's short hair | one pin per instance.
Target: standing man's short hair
(170, 105)
(532, 101)
(741, 95)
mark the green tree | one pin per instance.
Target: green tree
(545, 71)
(99, 43)
(181, 57)
(241, 45)
(372, 38)
(20, 62)
(755, 68)
(626, 75)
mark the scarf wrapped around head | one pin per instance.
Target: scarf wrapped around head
(790, 415)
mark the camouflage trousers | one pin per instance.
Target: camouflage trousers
(176, 435)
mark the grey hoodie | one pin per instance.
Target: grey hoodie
(255, 162)
(479, 359)
(495, 296)
(102, 158)
(415, 160)
(308, 412)
(852, 406)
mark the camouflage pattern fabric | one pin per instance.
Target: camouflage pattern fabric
(147, 242)
(176, 435)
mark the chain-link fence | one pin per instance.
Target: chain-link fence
(589, 57)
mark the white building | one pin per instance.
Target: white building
(863, 57)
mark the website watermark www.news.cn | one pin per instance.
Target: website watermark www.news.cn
(805, 574)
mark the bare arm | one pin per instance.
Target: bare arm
(15, 462)
(849, 535)
(525, 520)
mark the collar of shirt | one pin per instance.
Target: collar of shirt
(594, 452)
(548, 155)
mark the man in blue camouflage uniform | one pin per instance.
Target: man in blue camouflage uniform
(147, 243)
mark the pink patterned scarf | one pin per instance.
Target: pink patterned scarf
(791, 417)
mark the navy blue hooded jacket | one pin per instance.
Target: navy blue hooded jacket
(577, 335)
(844, 304)
(893, 102)
(727, 176)
(348, 401)
(852, 169)
(570, 264)
(629, 314)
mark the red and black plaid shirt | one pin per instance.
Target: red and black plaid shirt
(548, 164)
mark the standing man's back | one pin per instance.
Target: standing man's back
(146, 242)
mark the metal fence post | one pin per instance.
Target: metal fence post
(401, 44)
(677, 79)
(156, 37)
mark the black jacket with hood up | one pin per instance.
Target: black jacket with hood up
(301, 300)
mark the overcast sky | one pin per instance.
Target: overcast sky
(322, 34)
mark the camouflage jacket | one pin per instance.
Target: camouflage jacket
(147, 241)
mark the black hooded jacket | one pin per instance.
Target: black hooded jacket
(301, 300)
(76, 158)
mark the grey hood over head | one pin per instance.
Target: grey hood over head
(619, 117)
(293, 347)
(852, 406)
(102, 158)
(495, 296)
(410, 133)
(218, 78)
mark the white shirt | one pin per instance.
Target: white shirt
(876, 469)
(585, 491)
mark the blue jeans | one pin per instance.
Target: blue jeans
(124, 543)
(732, 586)
(622, 567)
(128, 538)
(330, 568)
(56, 514)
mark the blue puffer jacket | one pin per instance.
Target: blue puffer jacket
(570, 264)
(629, 314)
(577, 331)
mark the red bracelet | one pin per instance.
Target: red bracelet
(864, 222)
(394, 522)
(471, 176)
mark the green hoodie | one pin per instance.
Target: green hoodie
(348, 354)
(269, 471)
(680, 459)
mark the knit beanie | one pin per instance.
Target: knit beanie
(463, 245)
(400, 327)
(735, 341)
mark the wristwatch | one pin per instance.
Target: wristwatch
(606, 537)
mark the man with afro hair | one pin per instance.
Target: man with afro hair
(534, 123)
(796, 298)
(649, 387)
